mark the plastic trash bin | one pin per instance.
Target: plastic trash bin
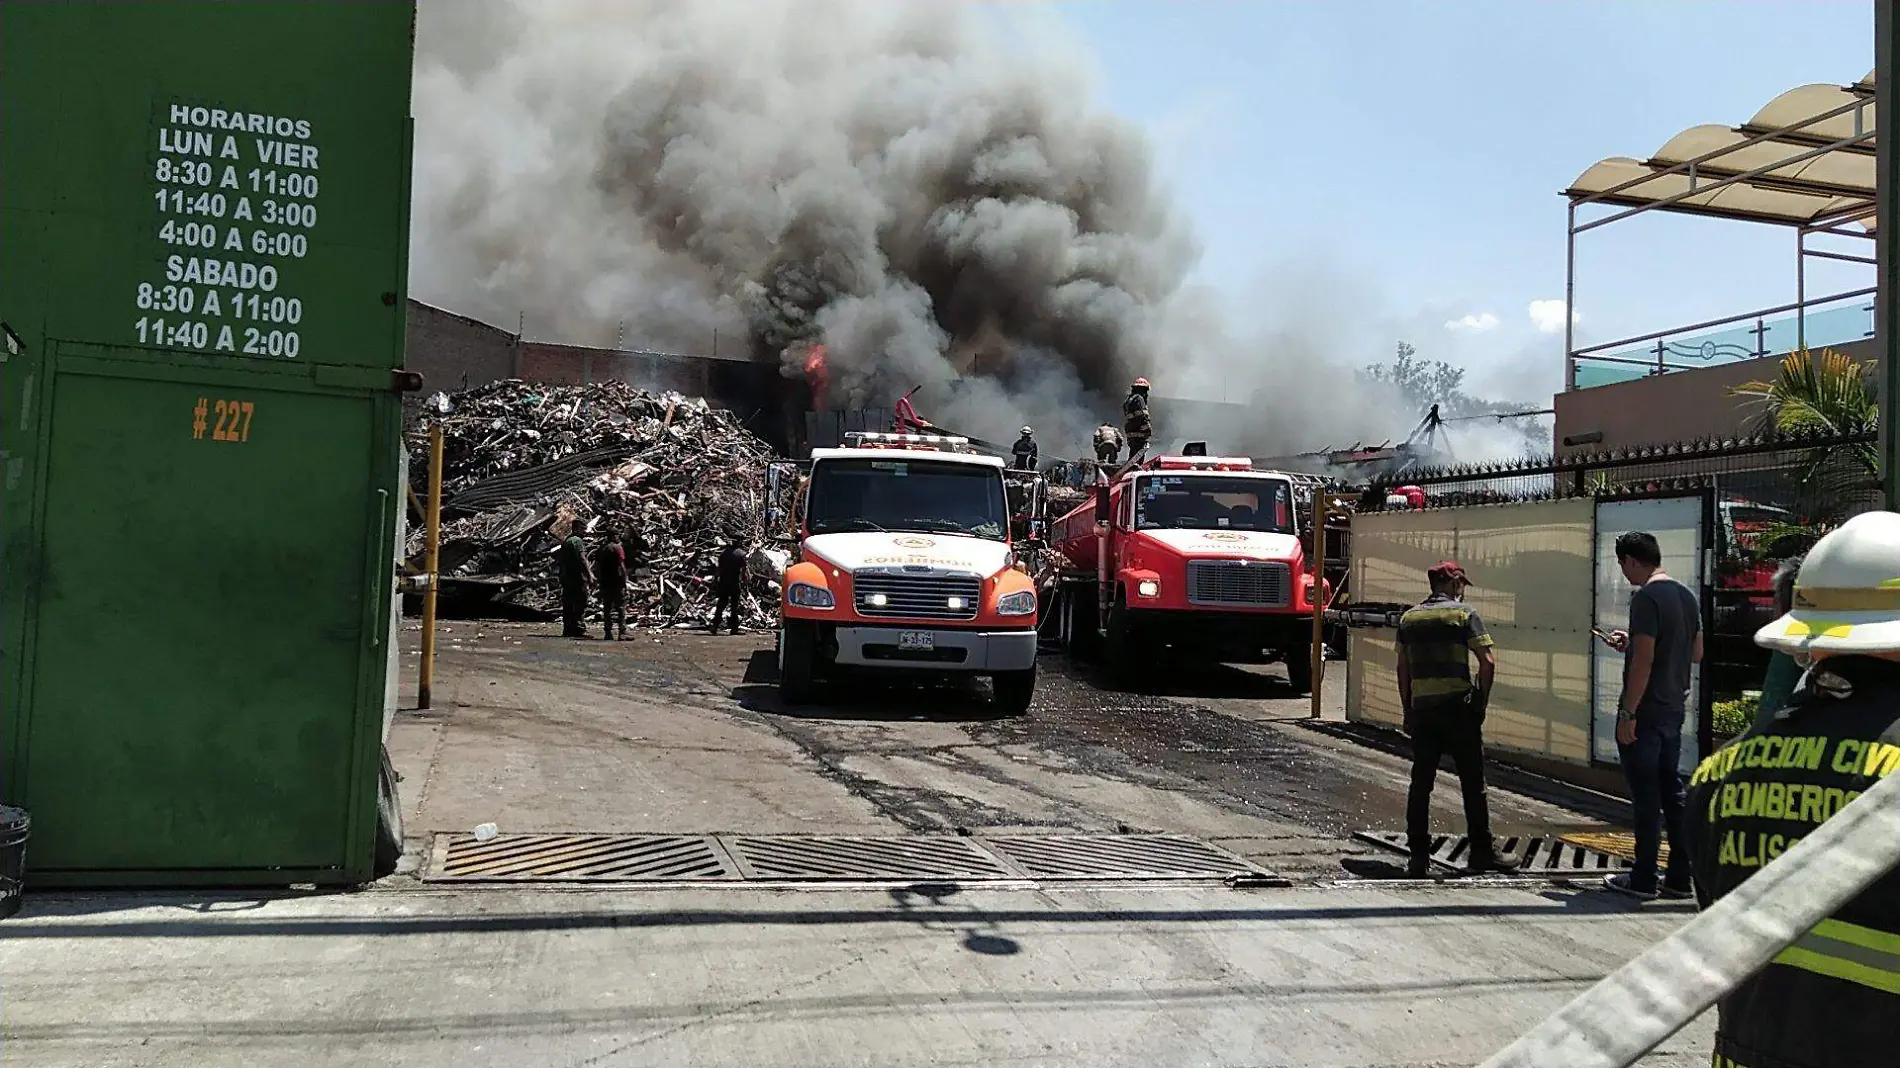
(14, 824)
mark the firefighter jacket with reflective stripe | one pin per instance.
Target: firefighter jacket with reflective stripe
(1832, 1000)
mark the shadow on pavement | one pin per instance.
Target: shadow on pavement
(866, 698)
(977, 933)
(41, 921)
(1498, 774)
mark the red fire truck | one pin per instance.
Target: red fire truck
(1200, 555)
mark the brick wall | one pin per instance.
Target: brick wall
(455, 352)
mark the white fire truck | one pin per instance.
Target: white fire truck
(905, 563)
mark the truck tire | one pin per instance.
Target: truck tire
(1299, 669)
(1084, 638)
(1014, 690)
(388, 819)
(1119, 652)
(797, 654)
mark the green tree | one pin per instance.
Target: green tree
(1826, 394)
(1421, 382)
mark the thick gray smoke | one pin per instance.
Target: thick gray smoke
(938, 204)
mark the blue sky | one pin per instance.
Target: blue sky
(1412, 153)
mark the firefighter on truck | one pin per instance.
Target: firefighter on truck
(905, 565)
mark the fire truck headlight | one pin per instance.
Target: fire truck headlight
(1148, 588)
(1019, 603)
(806, 595)
(878, 600)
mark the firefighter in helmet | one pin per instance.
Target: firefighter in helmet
(1108, 443)
(1830, 1000)
(1137, 425)
(1025, 450)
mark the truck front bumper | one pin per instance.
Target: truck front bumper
(974, 651)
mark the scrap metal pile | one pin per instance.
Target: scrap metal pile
(524, 464)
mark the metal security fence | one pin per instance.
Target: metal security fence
(1797, 474)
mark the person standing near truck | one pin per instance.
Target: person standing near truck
(610, 568)
(571, 558)
(1444, 714)
(1108, 444)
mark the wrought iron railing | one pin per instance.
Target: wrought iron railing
(1824, 321)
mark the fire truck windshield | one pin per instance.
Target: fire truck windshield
(1213, 502)
(906, 494)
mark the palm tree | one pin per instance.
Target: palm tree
(1826, 395)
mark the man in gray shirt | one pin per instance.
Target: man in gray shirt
(1664, 639)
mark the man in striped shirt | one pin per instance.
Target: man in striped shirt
(1444, 714)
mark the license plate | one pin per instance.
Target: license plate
(916, 639)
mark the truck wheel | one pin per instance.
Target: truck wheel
(388, 819)
(1013, 690)
(796, 653)
(1118, 651)
(1084, 639)
(1299, 669)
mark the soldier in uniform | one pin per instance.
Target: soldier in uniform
(575, 580)
(1832, 1000)
(610, 570)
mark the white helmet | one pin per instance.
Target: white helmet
(1027, 432)
(1847, 599)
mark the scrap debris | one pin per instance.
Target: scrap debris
(525, 463)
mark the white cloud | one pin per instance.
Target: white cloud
(1475, 323)
(1548, 315)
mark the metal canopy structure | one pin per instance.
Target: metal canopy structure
(1807, 160)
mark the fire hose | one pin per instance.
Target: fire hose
(1635, 1008)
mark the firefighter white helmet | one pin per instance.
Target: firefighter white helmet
(1027, 432)
(1847, 599)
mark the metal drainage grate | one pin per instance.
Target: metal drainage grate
(857, 858)
(635, 858)
(579, 857)
(1615, 843)
(1118, 856)
(1547, 855)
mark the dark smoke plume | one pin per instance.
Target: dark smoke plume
(885, 176)
(913, 184)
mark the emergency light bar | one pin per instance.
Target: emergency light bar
(886, 437)
(1200, 463)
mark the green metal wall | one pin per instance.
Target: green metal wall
(203, 246)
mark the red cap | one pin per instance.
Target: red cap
(1447, 569)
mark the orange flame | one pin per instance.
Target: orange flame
(817, 375)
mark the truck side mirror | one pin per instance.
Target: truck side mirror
(1101, 504)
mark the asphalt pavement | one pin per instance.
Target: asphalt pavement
(683, 733)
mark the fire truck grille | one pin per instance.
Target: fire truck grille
(1236, 582)
(912, 597)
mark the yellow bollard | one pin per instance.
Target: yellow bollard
(1318, 651)
(431, 558)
